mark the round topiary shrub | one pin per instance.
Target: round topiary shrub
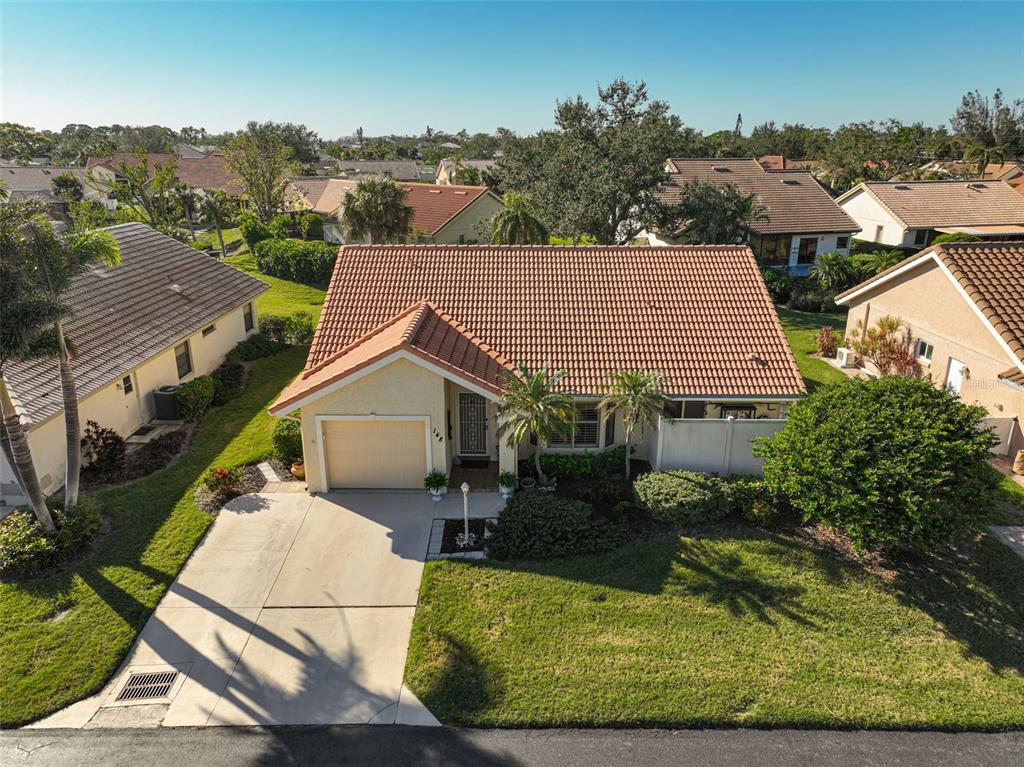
(541, 525)
(891, 462)
(682, 497)
(27, 550)
(195, 397)
(287, 441)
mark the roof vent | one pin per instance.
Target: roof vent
(720, 168)
(462, 193)
(434, 191)
(976, 185)
(902, 187)
(791, 181)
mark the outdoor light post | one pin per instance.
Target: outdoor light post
(465, 508)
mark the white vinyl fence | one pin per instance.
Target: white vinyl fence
(1003, 427)
(719, 445)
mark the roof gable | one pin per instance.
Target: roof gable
(917, 204)
(699, 314)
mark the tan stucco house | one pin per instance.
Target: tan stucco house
(964, 307)
(410, 358)
(167, 314)
(442, 214)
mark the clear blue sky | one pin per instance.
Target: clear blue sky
(396, 67)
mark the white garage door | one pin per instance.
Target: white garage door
(375, 453)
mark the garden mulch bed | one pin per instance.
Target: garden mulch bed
(282, 469)
(452, 527)
(252, 481)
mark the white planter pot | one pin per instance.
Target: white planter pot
(506, 492)
(436, 495)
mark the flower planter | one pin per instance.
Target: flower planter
(527, 483)
(506, 492)
(1018, 463)
(298, 470)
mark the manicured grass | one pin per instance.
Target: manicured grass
(64, 635)
(233, 242)
(734, 628)
(284, 297)
(1009, 504)
(802, 331)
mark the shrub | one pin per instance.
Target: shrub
(154, 455)
(253, 348)
(298, 329)
(222, 482)
(955, 237)
(287, 441)
(26, 549)
(827, 342)
(195, 396)
(435, 480)
(253, 230)
(569, 466)
(807, 296)
(779, 284)
(281, 226)
(272, 328)
(540, 525)
(891, 462)
(103, 451)
(508, 479)
(751, 499)
(227, 381)
(310, 262)
(311, 226)
(835, 272)
(681, 497)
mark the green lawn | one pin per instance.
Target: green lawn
(734, 628)
(64, 635)
(284, 297)
(802, 331)
(233, 241)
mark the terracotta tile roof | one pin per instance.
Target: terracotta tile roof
(162, 292)
(945, 203)
(209, 172)
(992, 275)
(1013, 376)
(423, 329)
(776, 162)
(433, 205)
(796, 202)
(699, 314)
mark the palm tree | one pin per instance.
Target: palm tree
(58, 260)
(534, 405)
(376, 209)
(877, 262)
(218, 205)
(519, 222)
(834, 271)
(27, 315)
(638, 396)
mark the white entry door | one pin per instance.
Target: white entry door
(955, 376)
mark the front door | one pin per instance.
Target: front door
(472, 424)
(955, 376)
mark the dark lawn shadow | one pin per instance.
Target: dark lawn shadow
(465, 685)
(977, 594)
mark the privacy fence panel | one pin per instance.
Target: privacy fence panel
(718, 445)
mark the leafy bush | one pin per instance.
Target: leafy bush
(435, 480)
(194, 397)
(298, 329)
(835, 272)
(227, 381)
(254, 347)
(508, 479)
(779, 284)
(751, 499)
(891, 462)
(272, 327)
(807, 296)
(154, 455)
(253, 230)
(103, 451)
(827, 342)
(222, 482)
(310, 262)
(955, 237)
(281, 226)
(311, 226)
(540, 525)
(287, 441)
(26, 549)
(682, 497)
(568, 466)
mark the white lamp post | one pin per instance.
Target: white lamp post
(465, 508)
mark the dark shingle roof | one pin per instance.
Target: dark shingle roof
(162, 292)
(796, 202)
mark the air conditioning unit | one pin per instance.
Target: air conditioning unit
(845, 357)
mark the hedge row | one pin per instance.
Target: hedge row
(310, 263)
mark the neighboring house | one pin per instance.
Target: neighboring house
(777, 162)
(168, 313)
(1010, 172)
(802, 220)
(189, 151)
(400, 170)
(36, 182)
(964, 306)
(409, 362)
(909, 214)
(445, 173)
(206, 173)
(441, 214)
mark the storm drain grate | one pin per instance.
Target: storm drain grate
(153, 684)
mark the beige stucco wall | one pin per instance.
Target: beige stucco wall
(465, 224)
(934, 310)
(109, 406)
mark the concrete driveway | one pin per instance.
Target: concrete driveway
(293, 610)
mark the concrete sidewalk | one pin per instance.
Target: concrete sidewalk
(294, 609)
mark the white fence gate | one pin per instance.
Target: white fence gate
(719, 445)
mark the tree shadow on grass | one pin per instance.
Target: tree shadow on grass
(977, 594)
(464, 684)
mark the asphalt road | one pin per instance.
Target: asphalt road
(383, 746)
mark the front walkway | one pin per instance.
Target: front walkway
(294, 609)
